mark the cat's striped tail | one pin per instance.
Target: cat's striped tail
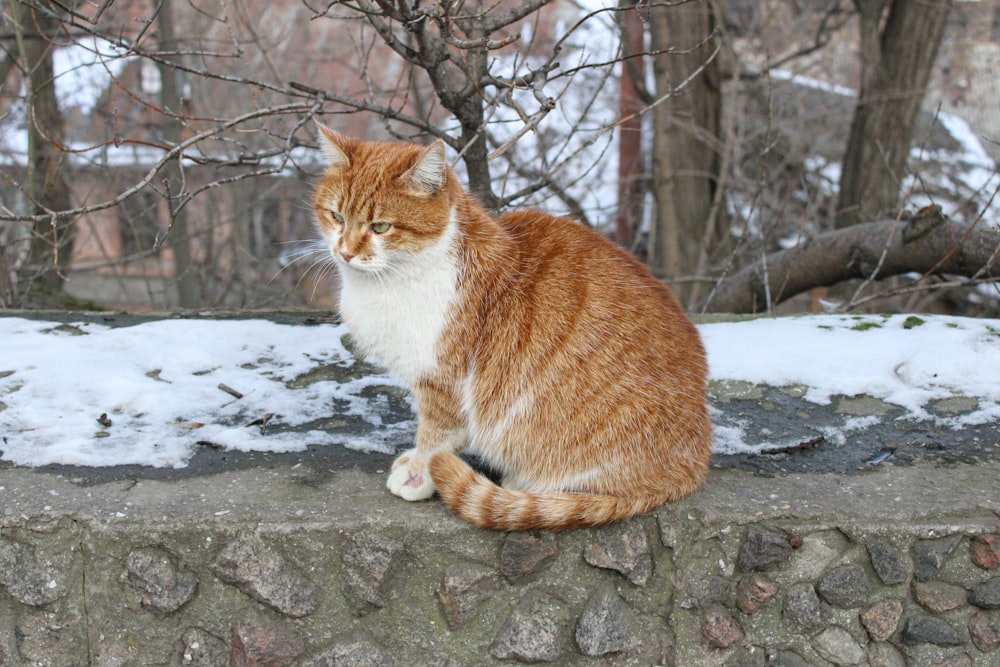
(478, 500)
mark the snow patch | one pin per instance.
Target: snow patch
(90, 394)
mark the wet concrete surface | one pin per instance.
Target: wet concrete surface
(851, 435)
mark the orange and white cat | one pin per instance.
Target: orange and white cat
(529, 339)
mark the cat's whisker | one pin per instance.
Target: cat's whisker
(388, 271)
(326, 269)
(295, 259)
(318, 252)
(306, 250)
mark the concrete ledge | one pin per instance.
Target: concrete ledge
(877, 545)
(291, 564)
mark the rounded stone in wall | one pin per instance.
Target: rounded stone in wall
(801, 609)
(984, 629)
(987, 595)
(929, 556)
(881, 620)
(930, 630)
(606, 625)
(763, 549)
(257, 568)
(892, 565)
(165, 586)
(845, 586)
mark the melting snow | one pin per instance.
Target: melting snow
(157, 386)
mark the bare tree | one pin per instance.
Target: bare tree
(531, 97)
(460, 83)
(896, 65)
(687, 146)
(633, 98)
(451, 44)
(173, 174)
(149, 131)
(46, 189)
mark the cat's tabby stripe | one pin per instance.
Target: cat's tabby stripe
(476, 499)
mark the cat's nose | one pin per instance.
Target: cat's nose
(346, 255)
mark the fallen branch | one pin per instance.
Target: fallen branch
(229, 390)
(795, 448)
(926, 243)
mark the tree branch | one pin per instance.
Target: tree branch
(927, 243)
(175, 152)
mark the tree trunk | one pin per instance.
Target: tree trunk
(895, 72)
(476, 159)
(188, 293)
(451, 86)
(685, 144)
(47, 187)
(631, 162)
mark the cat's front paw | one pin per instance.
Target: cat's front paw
(409, 478)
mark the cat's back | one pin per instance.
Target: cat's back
(568, 257)
(571, 299)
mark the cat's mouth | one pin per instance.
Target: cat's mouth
(357, 264)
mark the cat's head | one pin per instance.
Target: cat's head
(379, 204)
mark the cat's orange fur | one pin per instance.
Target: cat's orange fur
(547, 349)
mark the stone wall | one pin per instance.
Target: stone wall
(289, 566)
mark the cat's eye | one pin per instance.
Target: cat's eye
(381, 227)
(338, 217)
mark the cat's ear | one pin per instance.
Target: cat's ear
(427, 175)
(334, 146)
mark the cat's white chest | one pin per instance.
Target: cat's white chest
(399, 316)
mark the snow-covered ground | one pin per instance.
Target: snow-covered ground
(91, 394)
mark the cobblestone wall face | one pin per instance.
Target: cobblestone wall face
(667, 589)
